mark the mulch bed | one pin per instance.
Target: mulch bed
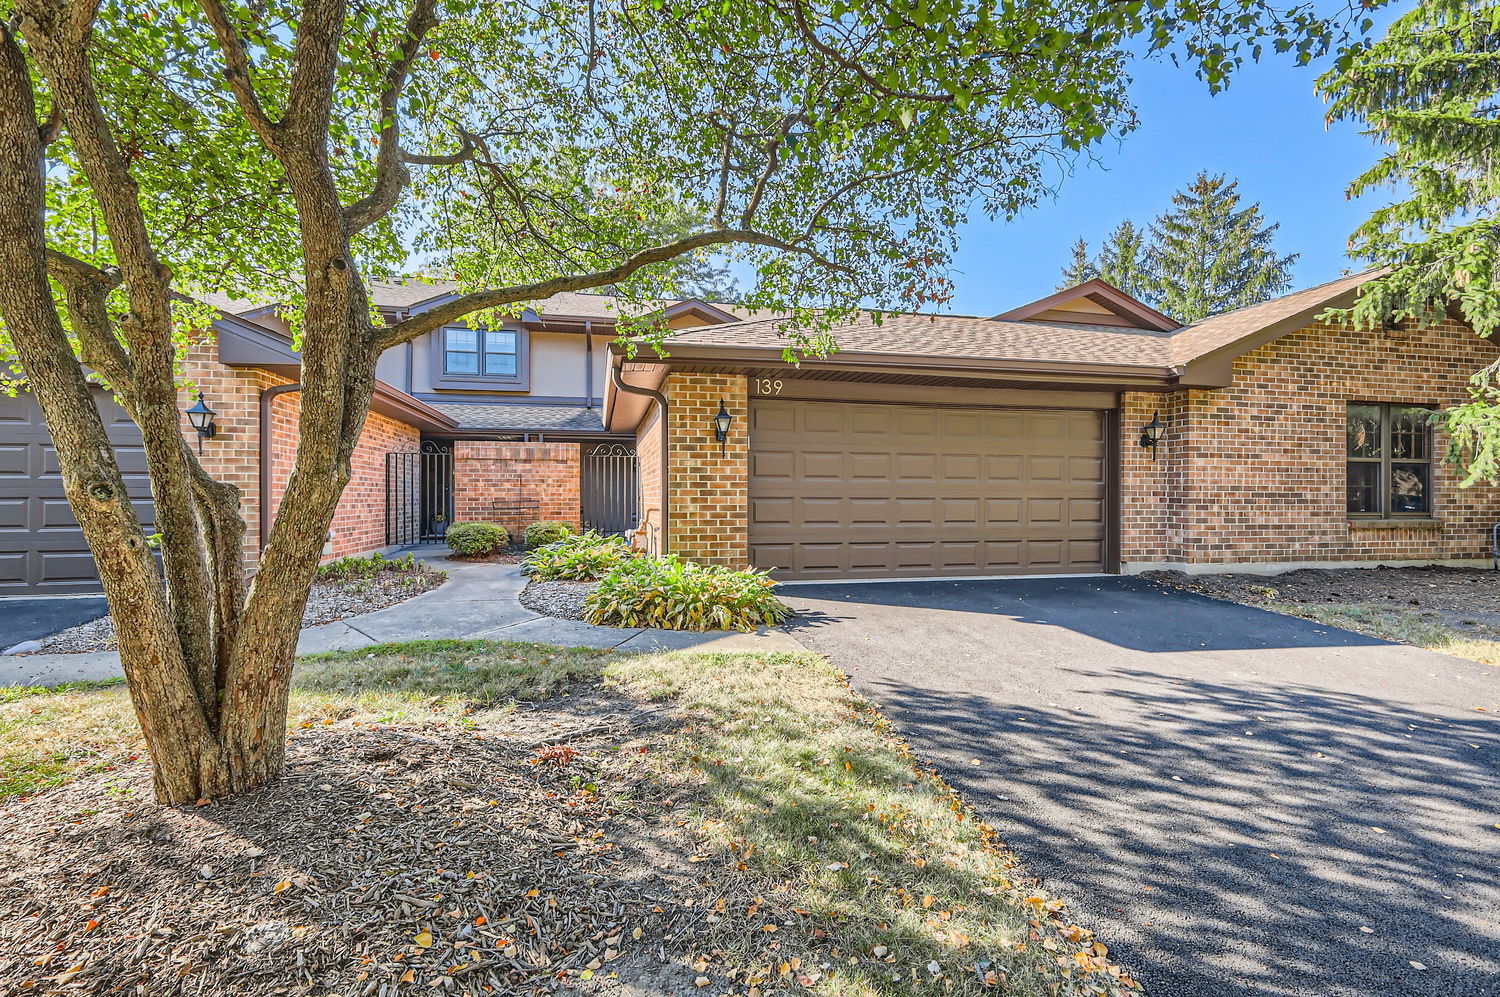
(328, 602)
(531, 852)
(559, 598)
(1465, 597)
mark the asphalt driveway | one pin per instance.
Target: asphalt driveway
(1238, 802)
(27, 619)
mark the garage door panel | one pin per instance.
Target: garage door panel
(880, 490)
(773, 464)
(41, 547)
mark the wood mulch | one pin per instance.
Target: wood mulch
(1466, 598)
(527, 852)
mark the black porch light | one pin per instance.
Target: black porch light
(202, 418)
(721, 426)
(1151, 433)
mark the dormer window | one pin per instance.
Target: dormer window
(480, 358)
(480, 352)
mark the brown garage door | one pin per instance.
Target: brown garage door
(42, 550)
(842, 490)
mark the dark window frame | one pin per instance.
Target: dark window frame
(1384, 462)
(480, 378)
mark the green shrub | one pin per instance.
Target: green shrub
(674, 594)
(583, 558)
(547, 532)
(349, 568)
(476, 539)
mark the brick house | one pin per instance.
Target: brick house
(500, 424)
(927, 446)
(963, 446)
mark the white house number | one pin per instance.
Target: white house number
(768, 385)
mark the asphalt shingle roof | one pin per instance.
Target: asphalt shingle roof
(517, 416)
(934, 337)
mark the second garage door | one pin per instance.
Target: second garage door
(841, 490)
(42, 550)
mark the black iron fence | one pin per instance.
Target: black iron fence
(609, 480)
(418, 495)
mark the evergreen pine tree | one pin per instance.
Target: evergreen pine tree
(1209, 255)
(1122, 261)
(1081, 269)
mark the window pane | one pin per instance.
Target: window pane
(463, 363)
(1364, 487)
(1411, 487)
(1410, 433)
(465, 340)
(499, 352)
(1364, 431)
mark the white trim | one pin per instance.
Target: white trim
(931, 578)
(1279, 567)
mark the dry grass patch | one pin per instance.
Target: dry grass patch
(875, 877)
(48, 736)
(1419, 629)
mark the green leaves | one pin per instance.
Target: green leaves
(1425, 92)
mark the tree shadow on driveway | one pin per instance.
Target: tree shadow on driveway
(1234, 839)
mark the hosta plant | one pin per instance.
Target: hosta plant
(673, 594)
(583, 558)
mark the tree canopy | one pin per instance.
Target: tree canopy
(1428, 92)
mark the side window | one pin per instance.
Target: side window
(1389, 455)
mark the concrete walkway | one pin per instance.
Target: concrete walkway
(478, 601)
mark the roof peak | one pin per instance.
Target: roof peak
(1094, 302)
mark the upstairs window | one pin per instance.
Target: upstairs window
(481, 353)
(1389, 455)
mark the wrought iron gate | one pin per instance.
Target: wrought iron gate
(418, 495)
(610, 483)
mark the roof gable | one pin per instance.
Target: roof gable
(1094, 302)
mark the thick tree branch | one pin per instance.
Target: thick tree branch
(237, 70)
(315, 61)
(454, 310)
(85, 289)
(391, 176)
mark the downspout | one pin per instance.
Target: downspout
(588, 365)
(666, 462)
(267, 397)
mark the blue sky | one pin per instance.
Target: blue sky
(1267, 130)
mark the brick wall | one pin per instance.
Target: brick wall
(542, 479)
(359, 522)
(233, 454)
(648, 463)
(708, 518)
(1255, 472)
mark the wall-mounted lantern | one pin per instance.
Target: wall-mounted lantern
(202, 418)
(721, 426)
(1151, 434)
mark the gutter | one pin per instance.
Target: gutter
(666, 463)
(267, 397)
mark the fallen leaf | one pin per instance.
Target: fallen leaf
(424, 939)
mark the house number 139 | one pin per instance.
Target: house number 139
(768, 386)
